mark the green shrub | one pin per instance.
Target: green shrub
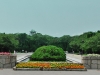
(48, 53)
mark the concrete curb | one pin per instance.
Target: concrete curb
(46, 69)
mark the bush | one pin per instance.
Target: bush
(48, 53)
(96, 55)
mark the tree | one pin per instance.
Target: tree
(92, 45)
(23, 42)
(64, 41)
(8, 43)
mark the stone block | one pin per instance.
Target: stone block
(93, 66)
(13, 64)
(14, 57)
(7, 65)
(94, 57)
(0, 56)
(4, 56)
(0, 60)
(94, 61)
(13, 60)
(98, 61)
(3, 61)
(7, 60)
(85, 57)
(99, 57)
(7, 56)
(87, 66)
(85, 61)
(1, 65)
(89, 62)
(98, 66)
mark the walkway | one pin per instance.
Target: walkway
(12, 72)
(21, 56)
(72, 57)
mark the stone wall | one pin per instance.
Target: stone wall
(7, 61)
(91, 62)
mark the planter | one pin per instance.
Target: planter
(7, 61)
(91, 61)
(50, 66)
(47, 69)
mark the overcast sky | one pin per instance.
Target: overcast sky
(51, 17)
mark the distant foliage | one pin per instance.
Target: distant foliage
(48, 53)
(86, 43)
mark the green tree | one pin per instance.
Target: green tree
(64, 41)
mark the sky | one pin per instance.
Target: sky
(50, 17)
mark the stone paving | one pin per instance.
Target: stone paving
(74, 58)
(12, 72)
(22, 55)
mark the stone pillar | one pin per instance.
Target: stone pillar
(7, 61)
(91, 62)
(86, 61)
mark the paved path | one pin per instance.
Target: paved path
(22, 55)
(12, 72)
(72, 57)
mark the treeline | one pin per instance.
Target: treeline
(88, 42)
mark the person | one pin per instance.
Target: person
(73, 52)
(81, 52)
(25, 51)
(14, 51)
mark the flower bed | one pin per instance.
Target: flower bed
(49, 66)
(4, 53)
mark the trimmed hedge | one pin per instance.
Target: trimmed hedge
(48, 53)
